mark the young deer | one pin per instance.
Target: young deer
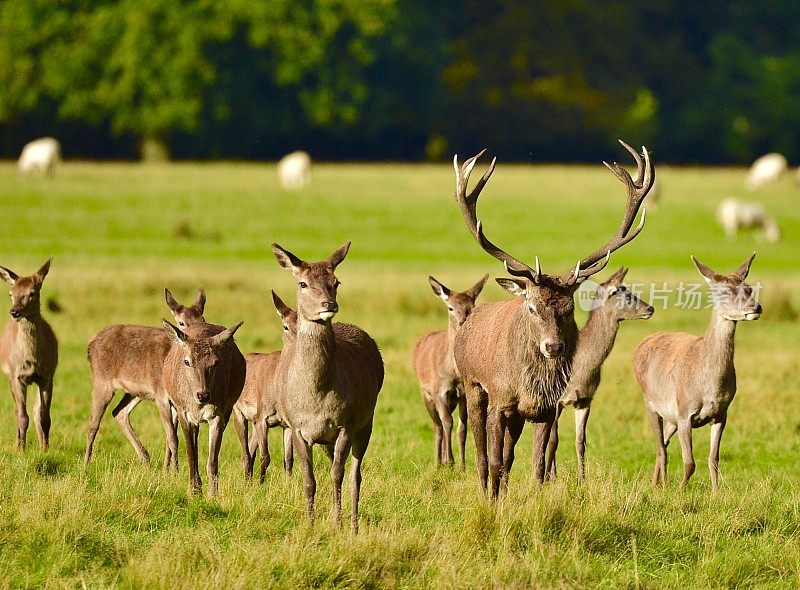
(29, 352)
(613, 303)
(204, 373)
(131, 359)
(438, 377)
(689, 381)
(515, 357)
(329, 379)
(259, 401)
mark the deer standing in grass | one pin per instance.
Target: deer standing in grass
(689, 381)
(131, 359)
(438, 377)
(204, 373)
(515, 357)
(329, 378)
(259, 401)
(29, 352)
(613, 303)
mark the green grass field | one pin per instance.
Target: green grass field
(120, 233)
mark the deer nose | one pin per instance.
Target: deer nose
(330, 306)
(758, 309)
(203, 396)
(554, 348)
(16, 313)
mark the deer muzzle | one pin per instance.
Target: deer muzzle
(203, 396)
(551, 349)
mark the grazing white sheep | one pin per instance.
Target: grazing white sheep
(294, 170)
(766, 170)
(40, 156)
(733, 214)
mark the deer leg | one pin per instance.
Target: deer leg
(438, 433)
(581, 418)
(216, 428)
(122, 415)
(41, 416)
(341, 450)
(165, 410)
(552, 447)
(307, 467)
(713, 456)
(657, 425)
(240, 424)
(446, 418)
(669, 430)
(685, 438)
(360, 444)
(190, 433)
(288, 451)
(462, 431)
(19, 391)
(102, 394)
(496, 430)
(514, 427)
(477, 419)
(541, 435)
(261, 432)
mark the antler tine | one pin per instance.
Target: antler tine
(637, 191)
(468, 203)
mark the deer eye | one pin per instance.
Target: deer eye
(186, 362)
(285, 328)
(182, 324)
(449, 308)
(303, 285)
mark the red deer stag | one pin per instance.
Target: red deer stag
(515, 356)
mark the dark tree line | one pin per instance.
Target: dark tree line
(548, 80)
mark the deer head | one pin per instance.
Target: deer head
(732, 298)
(620, 302)
(24, 292)
(187, 316)
(200, 357)
(459, 305)
(549, 299)
(288, 318)
(316, 282)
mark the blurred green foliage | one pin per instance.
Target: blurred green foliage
(717, 81)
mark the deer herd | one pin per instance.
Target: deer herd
(501, 364)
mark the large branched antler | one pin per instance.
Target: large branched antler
(468, 203)
(637, 191)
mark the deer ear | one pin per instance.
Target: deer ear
(337, 257)
(174, 332)
(477, 288)
(7, 275)
(283, 309)
(617, 278)
(744, 268)
(286, 259)
(709, 275)
(171, 303)
(225, 336)
(441, 291)
(42, 272)
(200, 302)
(514, 286)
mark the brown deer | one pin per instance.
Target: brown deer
(613, 303)
(131, 358)
(689, 381)
(29, 352)
(204, 373)
(438, 377)
(515, 356)
(329, 380)
(259, 401)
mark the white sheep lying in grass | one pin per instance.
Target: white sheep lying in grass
(294, 170)
(734, 214)
(766, 170)
(41, 156)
